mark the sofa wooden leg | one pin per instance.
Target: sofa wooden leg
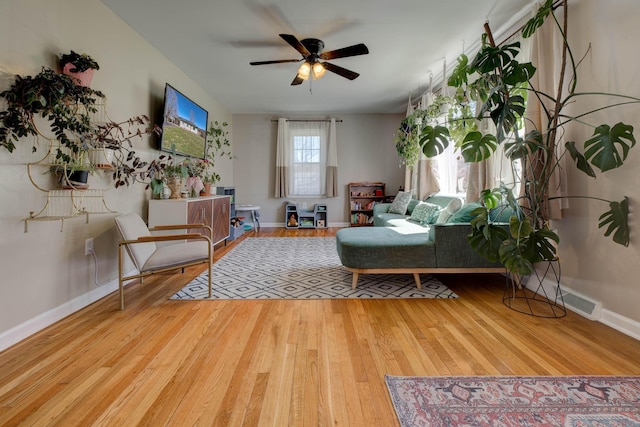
(354, 280)
(416, 277)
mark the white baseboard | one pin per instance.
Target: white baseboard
(620, 323)
(38, 323)
(592, 309)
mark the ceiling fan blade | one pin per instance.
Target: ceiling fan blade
(355, 50)
(278, 61)
(298, 80)
(293, 41)
(347, 74)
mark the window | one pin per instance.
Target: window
(307, 170)
(306, 158)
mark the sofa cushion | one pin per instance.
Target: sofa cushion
(401, 202)
(452, 207)
(501, 214)
(425, 213)
(464, 214)
(385, 247)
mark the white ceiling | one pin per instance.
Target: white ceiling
(213, 42)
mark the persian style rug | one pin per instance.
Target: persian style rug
(300, 268)
(572, 401)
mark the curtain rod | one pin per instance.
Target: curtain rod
(309, 120)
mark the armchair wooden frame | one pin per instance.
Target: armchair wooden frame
(142, 272)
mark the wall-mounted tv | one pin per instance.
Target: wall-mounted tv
(184, 125)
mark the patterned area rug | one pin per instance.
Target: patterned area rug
(300, 268)
(572, 401)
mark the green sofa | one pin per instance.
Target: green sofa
(396, 244)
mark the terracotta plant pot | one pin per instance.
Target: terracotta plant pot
(84, 78)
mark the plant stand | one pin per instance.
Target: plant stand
(535, 299)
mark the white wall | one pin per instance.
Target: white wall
(366, 152)
(592, 264)
(46, 268)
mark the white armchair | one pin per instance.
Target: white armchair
(148, 258)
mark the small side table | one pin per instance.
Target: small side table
(255, 213)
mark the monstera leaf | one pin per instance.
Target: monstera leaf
(434, 140)
(617, 220)
(486, 238)
(460, 74)
(581, 162)
(601, 150)
(536, 22)
(477, 147)
(521, 148)
(505, 115)
(513, 260)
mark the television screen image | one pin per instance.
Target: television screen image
(184, 126)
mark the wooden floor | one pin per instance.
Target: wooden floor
(281, 363)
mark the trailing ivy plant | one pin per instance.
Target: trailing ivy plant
(410, 134)
(503, 83)
(55, 100)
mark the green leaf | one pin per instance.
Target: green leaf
(617, 219)
(538, 246)
(434, 140)
(511, 257)
(491, 198)
(519, 229)
(516, 73)
(460, 74)
(581, 162)
(521, 148)
(506, 115)
(601, 150)
(536, 22)
(486, 241)
(476, 147)
(491, 58)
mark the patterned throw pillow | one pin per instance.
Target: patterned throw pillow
(425, 213)
(400, 203)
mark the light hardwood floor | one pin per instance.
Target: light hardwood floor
(281, 363)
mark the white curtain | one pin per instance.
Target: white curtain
(326, 130)
(332, 162)
(282, 160)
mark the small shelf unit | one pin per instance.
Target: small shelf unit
(296, 217)
(362, 197)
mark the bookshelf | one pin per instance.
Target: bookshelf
(306, 218)
(362, 197)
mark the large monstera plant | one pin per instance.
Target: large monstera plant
(503, 85)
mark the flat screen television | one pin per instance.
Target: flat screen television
(184, 125)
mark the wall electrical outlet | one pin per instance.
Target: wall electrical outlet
(88, 246)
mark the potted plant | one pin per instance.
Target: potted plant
(174, 174)
(423, 120)
(66, 109)
(503, 83)
(80, 66)
(218, 146)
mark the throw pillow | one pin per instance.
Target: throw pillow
(400, 203)
(452, 207)
(464, 214)
(412, 205)
(425, 213)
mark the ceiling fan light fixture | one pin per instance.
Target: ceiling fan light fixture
(304, 71)
(318, 70)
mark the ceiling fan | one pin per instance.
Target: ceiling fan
(311, 51)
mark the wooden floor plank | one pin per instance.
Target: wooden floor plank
(288, 362)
